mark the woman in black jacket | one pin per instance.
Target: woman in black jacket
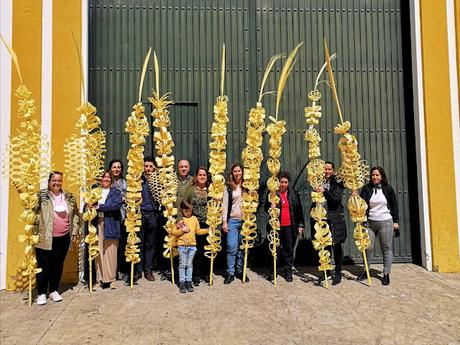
(333, 192)
(382, 214)
(291, 220)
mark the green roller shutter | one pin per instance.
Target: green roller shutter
(187, 37)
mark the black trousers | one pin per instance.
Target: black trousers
(336, 249)
(147, 235)
(287, 239)
(162, 264)
(123, 266)
(52, 263)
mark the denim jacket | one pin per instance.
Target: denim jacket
(112, 215)
(45, 211)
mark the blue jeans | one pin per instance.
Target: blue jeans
(233, 246)
(186, 254)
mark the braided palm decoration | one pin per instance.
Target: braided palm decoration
(155, 186)
(252, 160)
(352, 172)
(73, 167)
(217, 162)
(84, 165)
(138, 128)
(87, 150)
(315, 170)
(93, 140)
(165, 161)
(26, 162)
(276, 129)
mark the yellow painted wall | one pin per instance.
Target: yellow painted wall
(439, 141)
(457, 38)
(27, 42)
(27, 17)
(66, 95)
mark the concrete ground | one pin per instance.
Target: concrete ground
(418, 307)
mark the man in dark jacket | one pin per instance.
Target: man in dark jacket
(150, 211)
(333, 191)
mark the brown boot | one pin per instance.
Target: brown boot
(149, 276)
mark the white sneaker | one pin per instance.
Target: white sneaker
(55, 296)
(41, 299)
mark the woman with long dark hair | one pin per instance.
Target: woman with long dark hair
(232, 222)
(382, 214)
(116, 168)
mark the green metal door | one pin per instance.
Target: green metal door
(187, 37)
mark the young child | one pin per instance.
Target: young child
(186, 242)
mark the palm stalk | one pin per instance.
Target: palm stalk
(217, 162)
(276, 129)
(252, 156)
(26, 162)
(165, 161)
(353, 173)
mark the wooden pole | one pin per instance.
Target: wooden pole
(131, 276)
(90, 259)
(30, 291)
(211, 273)
(245, 264)
(325, 279)
(172, 266)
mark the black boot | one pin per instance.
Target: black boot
(270, 276)
(321, 277)
(337, 278)
(288, 274)
(190, 287)
(386, 279)
(229, 278)
(240, 276)
(361, 276)
(182, 287)
(196, 280)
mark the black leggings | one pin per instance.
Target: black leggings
(52, 263)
